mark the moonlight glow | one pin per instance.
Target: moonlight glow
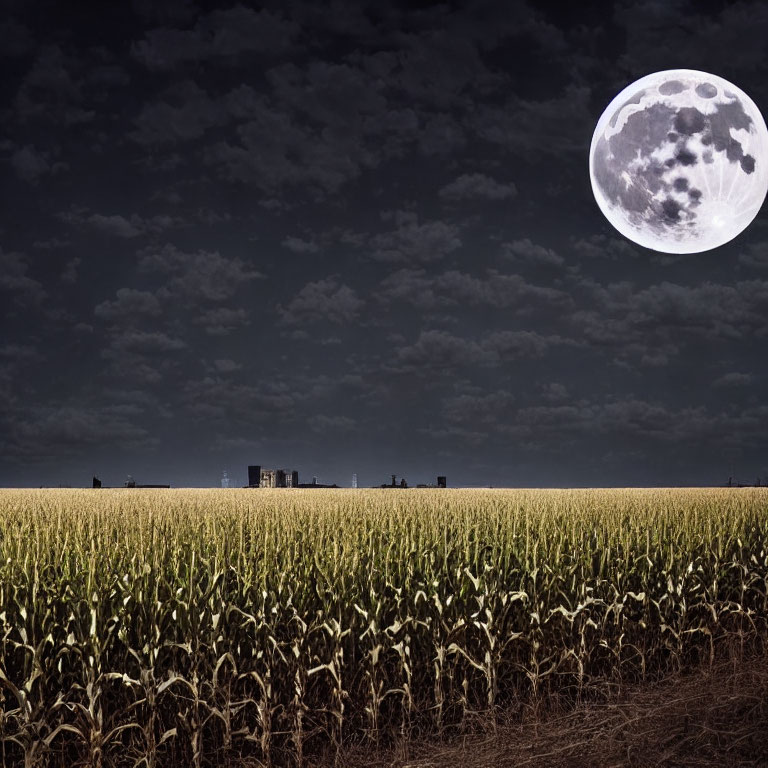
(679, 161)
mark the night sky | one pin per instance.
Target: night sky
(359, 237)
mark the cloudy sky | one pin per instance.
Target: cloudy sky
(359, 237)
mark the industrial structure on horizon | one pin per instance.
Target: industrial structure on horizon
(260, 477)
(129, 483)
(736, 484)
(441, 483)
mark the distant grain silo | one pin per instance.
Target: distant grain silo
(267, 478)
(291, 478)
(254, 476)
(441, 483)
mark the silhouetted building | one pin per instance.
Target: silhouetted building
(393, 484)
(736, 484)
(441, 483)
(129, 483)
(279, 478)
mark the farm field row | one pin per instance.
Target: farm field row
(212, 627)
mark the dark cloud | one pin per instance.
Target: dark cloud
(322, 422)
(15, 281)
(354, 237)
(441, 350)
(129, 304)
(630, 419)
(225, 365)
(435, 349)
(19, 353)
(222, 35)
(479, 411)
(29, 164)
(47, 432)
(297, 245)
(51, 243)
(222, 321)
(146, 341)
(668, 309)
(413, 241)
(441, 134)
(734, 379)
(272, 150)
(728, 40)
(554, 127)
(116, 225)
(470, 186)
(51, 92)
(214, 397)
(323, 300)
(526, 250)
(455, 289)
(197, 276)
(554, 392)
(70, 272)
(755, 256)
(604, 247)
(184, 112)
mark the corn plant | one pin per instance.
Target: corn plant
(140, 628)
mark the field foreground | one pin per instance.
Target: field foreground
(712, 717)
(288, 627)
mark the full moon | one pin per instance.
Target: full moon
(679, 161)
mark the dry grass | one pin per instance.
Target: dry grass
(712, 717)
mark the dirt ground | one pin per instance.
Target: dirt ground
(714, 716)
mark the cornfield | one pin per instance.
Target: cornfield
(272, 627)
